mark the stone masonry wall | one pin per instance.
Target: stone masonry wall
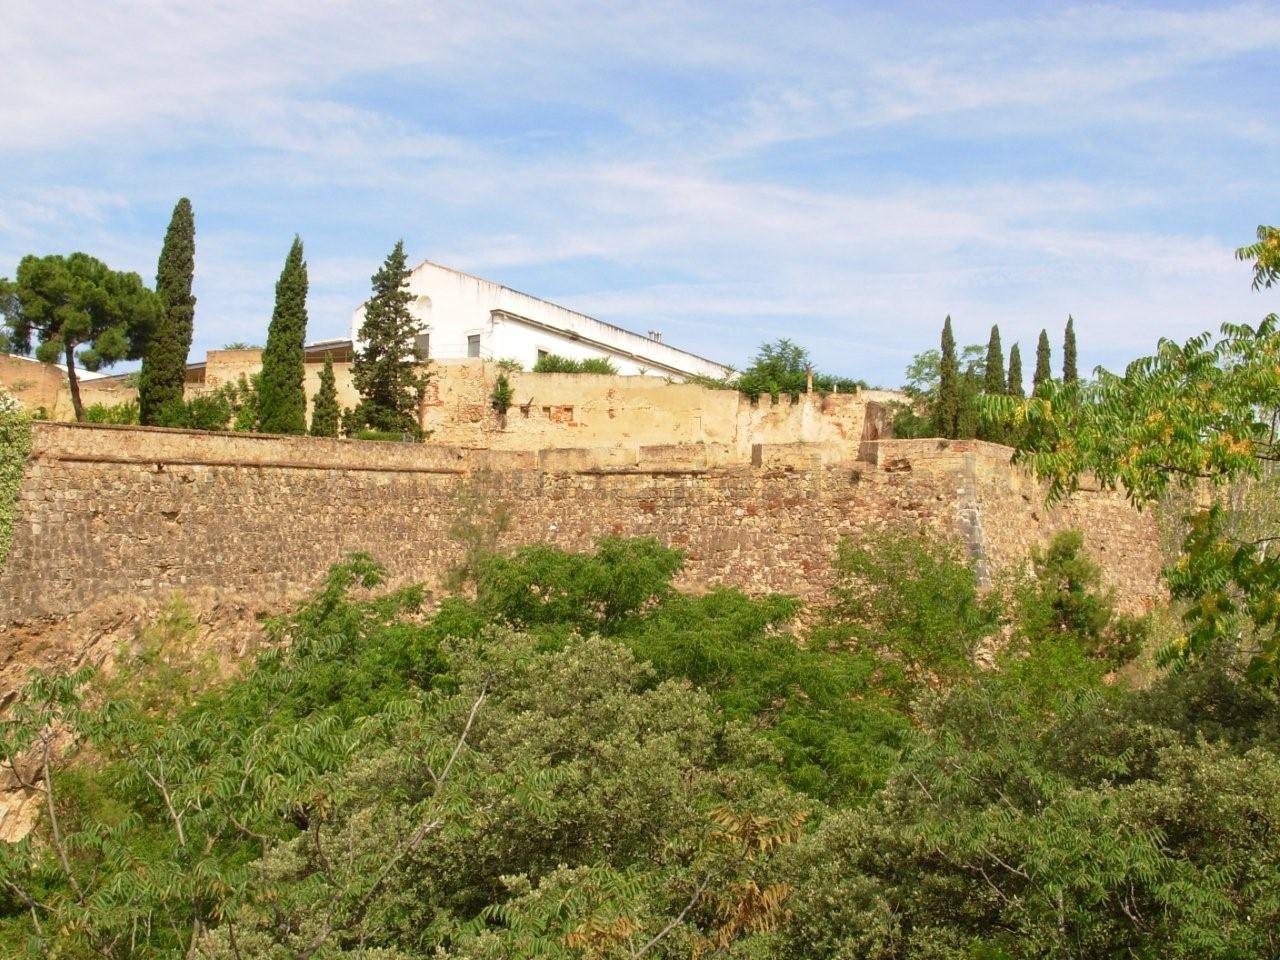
(105, 511)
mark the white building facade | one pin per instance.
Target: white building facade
(466, 316)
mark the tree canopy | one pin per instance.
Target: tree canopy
(386, 372)
(78, 310)
(282, 396)
(164, 366)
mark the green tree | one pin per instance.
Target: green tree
(1043, 372)
(993, 374)
(324, 412)
(1014, 387)
(164, 367)
(1265, 255)
(1198, 415)
(77, 301)
(282, 396)
(1069, 372)
(946, 407)
(385, 372)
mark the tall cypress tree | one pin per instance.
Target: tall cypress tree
(993, 381)
(1069, 372)
(385, 371)
(1043, 372)
(324, 410)
(946, 406)
(1014, 383)
(164, 366)
(282, 397)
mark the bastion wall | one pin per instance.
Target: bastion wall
(104, 511)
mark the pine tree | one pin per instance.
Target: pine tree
(1014, 387)
(1043, 372)
(283, 399)
(385, 372)
(164, 367)
(324, 411)
(993, 380)
(1069, 371)
(946, 407)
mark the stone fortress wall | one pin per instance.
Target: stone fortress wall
(105, 511)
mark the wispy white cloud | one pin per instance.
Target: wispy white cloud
(843, 175)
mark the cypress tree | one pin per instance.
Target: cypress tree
(946, 406)
(1014, 388)
(385, 372)
(164, 366)
(1069, 372)
(993, 381)
(324, 412)
(1043, 373)
(282, 397)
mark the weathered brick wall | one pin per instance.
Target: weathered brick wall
(104, 511)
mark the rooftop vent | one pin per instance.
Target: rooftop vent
(655, 335)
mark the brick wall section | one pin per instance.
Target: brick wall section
(106, 510)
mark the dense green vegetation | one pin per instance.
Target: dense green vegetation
(387, 373)
(283, 401)
(164, 366)
(570, 758)
(554, 363)
(1200, 417)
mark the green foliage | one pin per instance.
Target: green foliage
(509, 365)
(912, 598)
(241, 345)
(554, 363)
(384, 436)
(1069, 372)
(119, 413)
(324, 413)
(502, 396)
(1076, 831)
(1043, 372)
(1064, 599)
(784, 367)
(78, 308)
(283, 402)
(993, 374)
(580, 762)
(385, 372)
(15, 446)
(1014, 386)
(1202, 412)
(1265, 255)
(208, 411)
(946, 403)
(164, 367)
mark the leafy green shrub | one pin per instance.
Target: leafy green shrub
(784, 367)
(554, 363)
(118, 413)
(385, 436)
(912, 596)
(1064, 599)
(502, 395)
(509, 365)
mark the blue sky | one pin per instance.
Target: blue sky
(727, 173)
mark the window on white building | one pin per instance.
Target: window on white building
(473, 345)
(422, 346)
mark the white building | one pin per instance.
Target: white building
(466, 316)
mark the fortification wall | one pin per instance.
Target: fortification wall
(105, 511)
